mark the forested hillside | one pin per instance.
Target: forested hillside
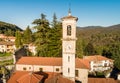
(8, 29)
(99, 40)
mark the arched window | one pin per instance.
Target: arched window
(69, 30)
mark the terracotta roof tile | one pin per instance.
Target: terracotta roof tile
(69, 17)
(40, 61)
(58, 79)
(96, 58)
(51, 61)
(30, 78)
(25, 77)
(64, 80)
(101, 80)
(81, 63)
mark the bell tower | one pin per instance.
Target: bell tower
(69, 45)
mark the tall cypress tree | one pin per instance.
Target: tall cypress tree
(18, 40)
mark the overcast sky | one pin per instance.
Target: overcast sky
(90, 12)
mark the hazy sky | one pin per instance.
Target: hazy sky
(90, 12)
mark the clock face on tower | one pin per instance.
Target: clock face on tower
(68, 47)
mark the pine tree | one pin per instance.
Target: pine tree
(42, 35)
(55, 38)
(27, 36)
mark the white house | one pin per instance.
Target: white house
(32, 48)
(99, 63)
(7, 46)
(7, 38)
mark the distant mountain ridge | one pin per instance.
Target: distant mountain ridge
(112, 26)
(8, 29)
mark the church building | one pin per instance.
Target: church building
(67, 66)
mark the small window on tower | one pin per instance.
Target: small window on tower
(68, 70)
(69, 30)
(68, 58)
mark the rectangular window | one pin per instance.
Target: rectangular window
(57, 69)
(68, 58)
(40, 69)
(76, 73)
(68, 70)
(29, 67)
(24, 68)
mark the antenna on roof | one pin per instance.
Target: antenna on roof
(69, 11)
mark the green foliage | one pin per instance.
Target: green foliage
(7, 62)
(4, 54)
(48, 39)
(27, 36)
(55, 45)
(8, 29)
(42, 35)
(101, 40)
(79, 49)
(89, 49)
(18, 40)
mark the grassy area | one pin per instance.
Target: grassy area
(7, 62)
(3, 63)
(5, 54)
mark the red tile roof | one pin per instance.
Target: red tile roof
(51, 61)
(101, 80)
(30, 78)
(81, 63)
(96, 58)
(24, 77)
(69, 17)
(36, 77)
(57, 78)
(16, 75)
(64, 80)
(40, 61)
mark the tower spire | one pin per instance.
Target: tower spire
(69, 11)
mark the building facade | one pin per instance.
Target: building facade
(7, 47)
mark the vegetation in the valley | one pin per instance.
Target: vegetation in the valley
(6, 62)
(2, 54)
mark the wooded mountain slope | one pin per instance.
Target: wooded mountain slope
(8, 29)
(99, 40)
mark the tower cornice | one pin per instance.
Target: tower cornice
(69, 18)
(69, 39)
